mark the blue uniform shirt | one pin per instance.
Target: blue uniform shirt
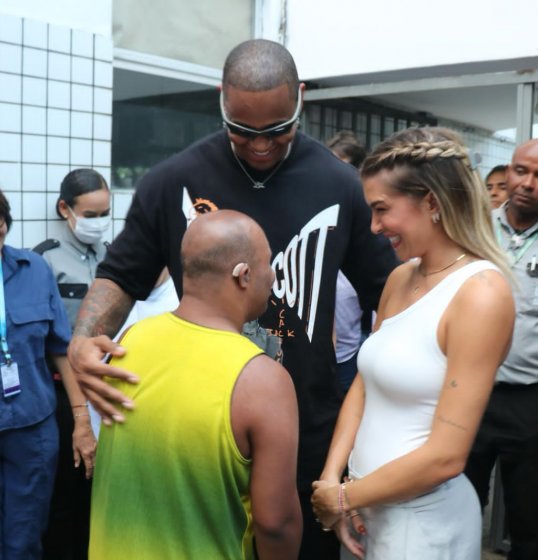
(36, 325)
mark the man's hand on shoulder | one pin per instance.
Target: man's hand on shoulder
(86, 356)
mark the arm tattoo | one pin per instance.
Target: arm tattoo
(453, 383)
(450, 423)
(103, 310)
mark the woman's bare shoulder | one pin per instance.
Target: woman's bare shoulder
(485, 296)
(402, 274)
(486, 286)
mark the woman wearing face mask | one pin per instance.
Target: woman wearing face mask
(84, 205)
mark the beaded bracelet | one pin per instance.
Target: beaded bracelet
(81, 414)
(80, 405)
(342, 498)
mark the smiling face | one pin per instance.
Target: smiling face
(403, 218)
(260, 110)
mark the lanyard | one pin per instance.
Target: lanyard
(3, 322)
(516, 255)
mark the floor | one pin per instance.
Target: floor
(487, 555)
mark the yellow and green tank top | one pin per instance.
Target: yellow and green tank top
(171, 483)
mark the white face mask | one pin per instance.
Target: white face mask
(90, 230)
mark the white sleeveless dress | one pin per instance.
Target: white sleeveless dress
(404, 370)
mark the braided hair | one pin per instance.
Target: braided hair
(434, 160)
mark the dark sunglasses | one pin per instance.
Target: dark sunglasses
(271, 131)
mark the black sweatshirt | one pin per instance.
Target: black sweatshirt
(317, 222)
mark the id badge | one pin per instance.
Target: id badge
(10, 379)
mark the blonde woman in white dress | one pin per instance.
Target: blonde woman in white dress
(444, 325)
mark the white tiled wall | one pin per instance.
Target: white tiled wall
(55, 115)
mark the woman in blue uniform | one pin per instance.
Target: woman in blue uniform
(34, 328)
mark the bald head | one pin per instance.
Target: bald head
(260, 65)
(528, 148)
(215, 242)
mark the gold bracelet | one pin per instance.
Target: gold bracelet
(81, 414)
(80, 406)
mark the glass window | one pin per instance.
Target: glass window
(314, 130)
(330, 122)
(361, 126)
(346, 120)
(314, 113)
(388, 126)
(535, 113)
(402, 124)
(370, 122)
(375, 130)
(148, 130)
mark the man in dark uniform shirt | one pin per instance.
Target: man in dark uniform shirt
(314, 215)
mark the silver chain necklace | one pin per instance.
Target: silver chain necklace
(260, 184)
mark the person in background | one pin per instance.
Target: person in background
(411, 414)
(496, 185)
(509, 430)
(205, 466)
(345, 146)
(84, 206)
(351, 325)
(34, 327)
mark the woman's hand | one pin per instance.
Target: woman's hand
(325, 502)
(348, 530)
(84, 444)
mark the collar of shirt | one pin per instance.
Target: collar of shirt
(499, 214)
(11, 260)
(67, 236)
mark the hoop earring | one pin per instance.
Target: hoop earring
(436, 217)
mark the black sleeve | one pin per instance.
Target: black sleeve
(369, 259)
(135, 258)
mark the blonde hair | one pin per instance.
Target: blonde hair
(435, 160)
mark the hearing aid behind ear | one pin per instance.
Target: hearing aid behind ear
(237, 269)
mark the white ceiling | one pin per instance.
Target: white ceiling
(492, 108)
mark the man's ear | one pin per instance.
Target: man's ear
(241, 271)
